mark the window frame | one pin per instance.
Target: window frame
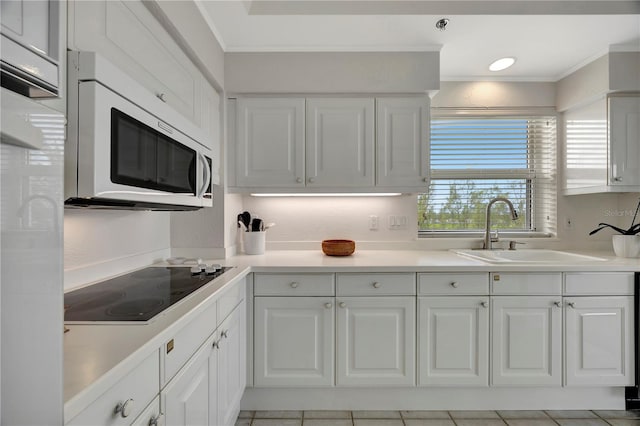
(537, 195)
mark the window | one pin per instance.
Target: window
(475, 158)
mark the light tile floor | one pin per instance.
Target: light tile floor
(440, 418)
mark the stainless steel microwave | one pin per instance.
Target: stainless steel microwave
(127, 149)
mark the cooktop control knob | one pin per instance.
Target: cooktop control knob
(210, 270)
(217, 266)
(196, 269)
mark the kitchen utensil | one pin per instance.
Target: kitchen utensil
(269, 225)
(338, 247)
(257, 225)
(242, 225)
(245, 217)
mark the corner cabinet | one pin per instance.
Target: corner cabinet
(609, 130)
(624, 140)
(330, 144)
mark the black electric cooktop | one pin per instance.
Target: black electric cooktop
(137, 296)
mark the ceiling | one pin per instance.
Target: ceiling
(549, 39)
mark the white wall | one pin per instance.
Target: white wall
(101, 243)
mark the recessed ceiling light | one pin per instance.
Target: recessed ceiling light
(502, 64)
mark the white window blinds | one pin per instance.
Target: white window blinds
(475, 158)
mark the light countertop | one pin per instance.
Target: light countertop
(96, 356)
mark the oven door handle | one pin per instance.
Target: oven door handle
(207, 175)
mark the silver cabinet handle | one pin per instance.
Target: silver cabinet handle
(124, 408)
(558, 304)
(155, 420)
(224, 334)
(377, 285)
(162, 97)
(454, 284)
(572, 304)
(299, 180)
(484, 304)
(294, 285)
(328, 305)
(312, 180)
(617, 179)
(343, 305)
(425, 179)
(216, 344)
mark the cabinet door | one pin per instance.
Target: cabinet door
(151, 415)
(599, 341)
(270, 142)
(376, 341)
(33, 24)
(624, 139)
(527, 338)
(231, 365)
(403, 142)
(186, 399)
(453, 339)
(294, 341)
(129, 36)
(339, 142)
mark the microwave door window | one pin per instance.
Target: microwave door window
(133, 152)
(176, 167)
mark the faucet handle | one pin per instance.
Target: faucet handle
(512, 244)
(495, 237)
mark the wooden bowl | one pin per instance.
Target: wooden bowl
(338, 247)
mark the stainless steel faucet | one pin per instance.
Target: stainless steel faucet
(487, 230)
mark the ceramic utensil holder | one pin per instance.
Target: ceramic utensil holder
(626, 245)
(254, 242)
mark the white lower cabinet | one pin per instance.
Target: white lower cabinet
(188, 398)
(599, 341)
(453, 339)
(376, 341)
(151, 416)
(231, 367)
(527, 340)
(208, 389)
(294, 341)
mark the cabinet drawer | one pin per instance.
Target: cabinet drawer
(177, 350)
(138, 387)
(375, 284)
(294, 285)
(526, 283)
(230, 299)
(440, 284)
(150, 414)
(596, 283)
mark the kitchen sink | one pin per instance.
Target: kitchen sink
(526, 256)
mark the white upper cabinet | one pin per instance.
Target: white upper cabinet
(330, 144)
(128, 35)
(624, 140)
(270, 142)
(339, 142)
(603, 145)
(403, 142)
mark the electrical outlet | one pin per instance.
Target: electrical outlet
(373, 222)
